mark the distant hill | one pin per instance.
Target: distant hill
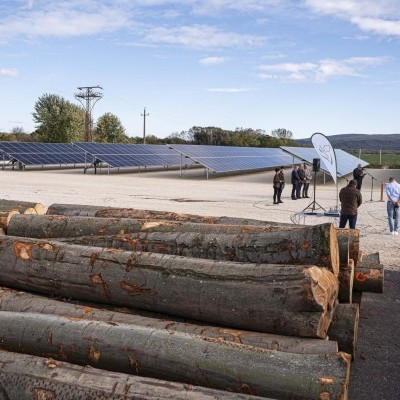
(356, 141)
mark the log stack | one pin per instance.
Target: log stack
(226, 304)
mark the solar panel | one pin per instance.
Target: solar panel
(345, 162)
(232, 159)
(38, 153)
(130, 155)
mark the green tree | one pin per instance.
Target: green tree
(58, 120)
(109, 129)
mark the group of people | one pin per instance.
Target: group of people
(300, 178)
(350, 196)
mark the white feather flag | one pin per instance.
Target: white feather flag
(326, 153)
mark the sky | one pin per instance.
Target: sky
(329, 66)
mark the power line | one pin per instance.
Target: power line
(88, 98)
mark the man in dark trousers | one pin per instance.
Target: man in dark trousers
(358, 175)
(350, 199)
(295, 181)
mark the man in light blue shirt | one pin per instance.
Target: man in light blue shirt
(393, 211)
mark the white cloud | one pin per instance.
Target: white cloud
(62, 19)
(201, 36)
(213, 60)
(8, 72)
(379, 17)
(319, 71)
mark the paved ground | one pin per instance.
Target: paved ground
(375, 372)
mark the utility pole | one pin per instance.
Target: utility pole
(144, 115)
(88, 98)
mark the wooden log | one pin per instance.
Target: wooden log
(350, 238)
(177, 356)
(369, 274)
(113, 212)
(26, 377)
(315, 244)
(346, 279)
(344, 327)
(5, 217)
(55, 226)
(21, 206)
(16, 301)
(284, 299)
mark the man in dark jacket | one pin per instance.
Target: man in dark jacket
(295, 181)
(350, 199)
(358, 175)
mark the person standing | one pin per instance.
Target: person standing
(350, 198)
(393, 212)
(302, 176)
(277, 186)
(282, 179)
(295, 181)
(358, 175)
(308, 178)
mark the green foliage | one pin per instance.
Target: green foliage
(109, 129)
(58, 120)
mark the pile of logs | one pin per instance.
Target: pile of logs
(239, 308)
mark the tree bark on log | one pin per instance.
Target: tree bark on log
(55, 226)
(309, 245)
(350, 238)
(369, 274)
(346, 281)
(5, 217)
(344, 327)
(26, 377)
(21, 206)
(17, 301)
(177, 356)
(284, 299)
(114, 212)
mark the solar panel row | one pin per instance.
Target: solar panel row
(215, 158)
(345, 162)
(130, 155)
(232, 159)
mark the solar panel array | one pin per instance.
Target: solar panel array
(37, 153)
(345, 162)
(231, 159)
(130, 155)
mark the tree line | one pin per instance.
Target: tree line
(57, 120)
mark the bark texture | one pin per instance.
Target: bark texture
(315, 245)
(344, 327)
(22, 206)
(346, 281)
(369, 274)
(285, 299)
(56, 226)
(26, 377)
(111, 212)
(177, 356)
(17, 301)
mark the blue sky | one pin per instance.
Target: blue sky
(329, 66)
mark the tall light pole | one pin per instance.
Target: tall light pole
(144, 115)
(88, 98)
